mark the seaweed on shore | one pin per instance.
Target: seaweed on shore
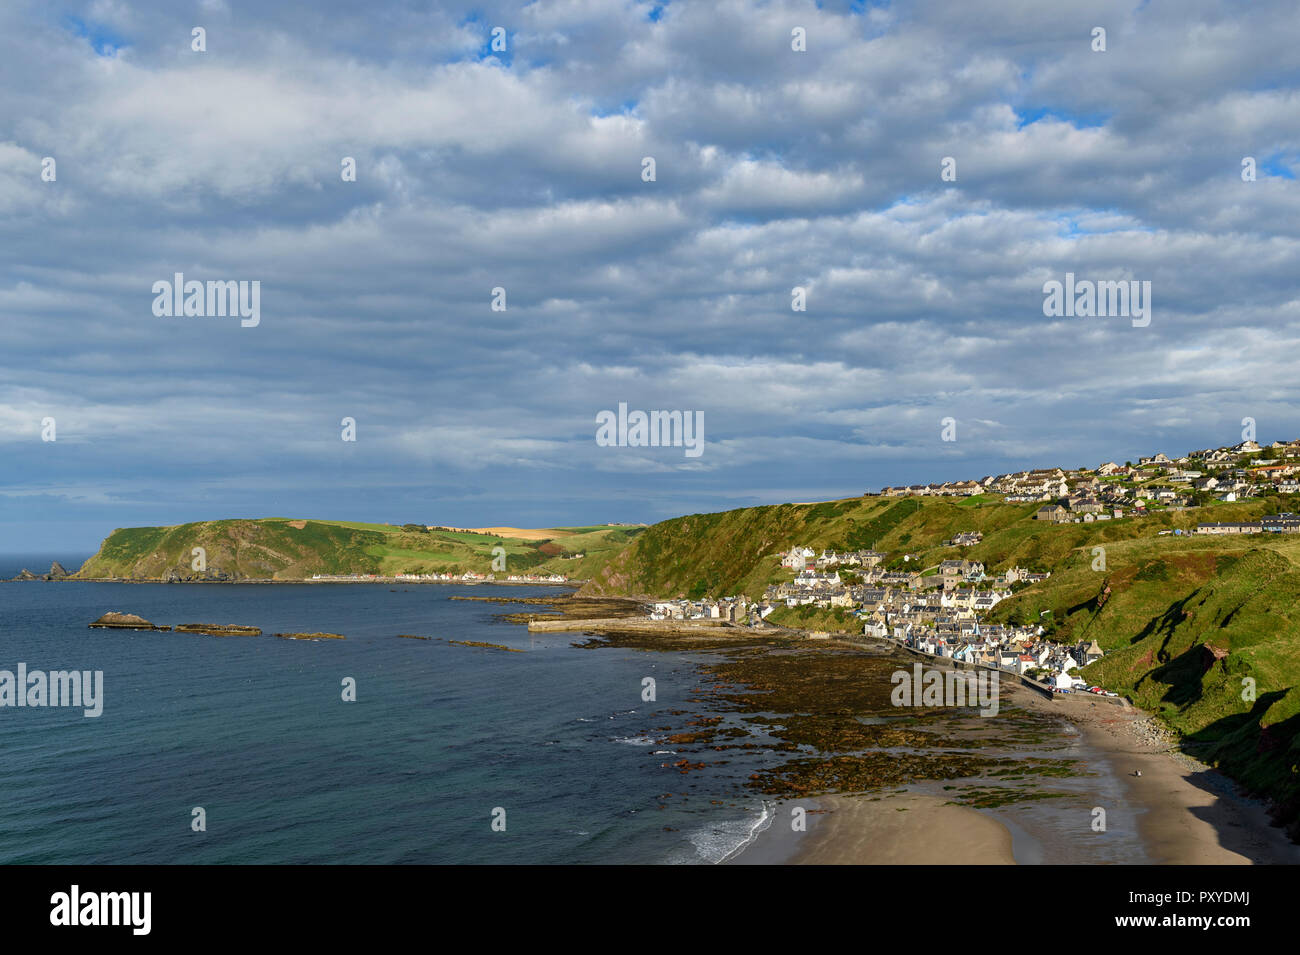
(815, 776)
(993, 797)
(829, 707)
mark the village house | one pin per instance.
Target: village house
(1230, 527)
(798, 558)
(1052, 512)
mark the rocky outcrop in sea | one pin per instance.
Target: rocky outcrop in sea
(56, 573)
(124, 621)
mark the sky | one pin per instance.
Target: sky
(923, 352)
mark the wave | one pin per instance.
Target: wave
(721, 841)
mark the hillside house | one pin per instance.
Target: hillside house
(1052, 512)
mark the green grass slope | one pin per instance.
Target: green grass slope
(739, 551)
(284, 549)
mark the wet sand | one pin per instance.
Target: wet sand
(1178, 812)
(903, 829)
(1189, 814)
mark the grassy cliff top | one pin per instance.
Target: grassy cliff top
(281, 548)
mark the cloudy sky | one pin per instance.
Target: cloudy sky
(523, 169)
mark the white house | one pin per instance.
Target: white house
(798, 558)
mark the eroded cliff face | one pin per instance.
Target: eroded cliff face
(612, 580)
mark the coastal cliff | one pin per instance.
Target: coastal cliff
(232, 550)
(280, 549)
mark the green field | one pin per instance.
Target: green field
(278, 548)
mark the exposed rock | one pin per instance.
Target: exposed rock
(1213, 654)
(56, 572)
(312, 636)
(488, 646)
(26, 574)
(124, 621)
(213, 574)
(410, 636)
(219, 629)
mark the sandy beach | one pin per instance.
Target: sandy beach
(1191, 814)
(903, 829)
(1184, 812)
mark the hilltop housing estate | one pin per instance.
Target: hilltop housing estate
(1113, 490)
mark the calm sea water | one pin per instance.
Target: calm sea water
(254, 730)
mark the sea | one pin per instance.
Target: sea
(377, 749)
(245, 750)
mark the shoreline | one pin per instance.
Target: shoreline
(1189, 813)
(1179, 811)
(1182, 812)
(907, 828)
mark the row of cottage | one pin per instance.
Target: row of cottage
(1276, 464)
(1273, 524)
(728, 609)
(1023, 654)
